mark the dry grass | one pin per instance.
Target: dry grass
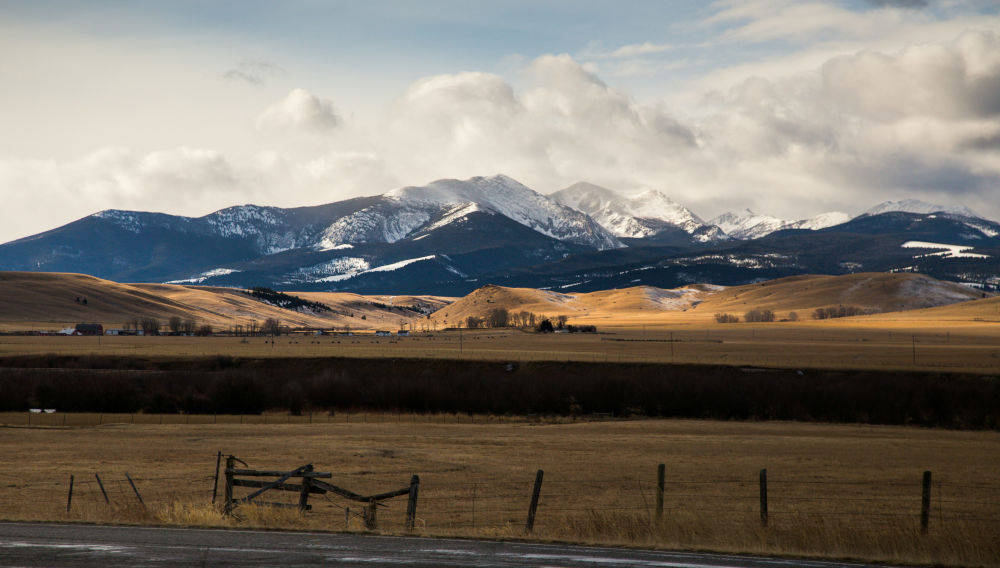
(697, 304)
(48, 302)
(860, 344)
(835, 491)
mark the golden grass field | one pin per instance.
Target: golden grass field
(861, 344)
(836, 491)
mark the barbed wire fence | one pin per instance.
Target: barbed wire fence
(478, 504)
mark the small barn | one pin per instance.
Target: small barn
(88, 329)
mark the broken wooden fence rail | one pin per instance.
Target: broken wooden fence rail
(311, 484)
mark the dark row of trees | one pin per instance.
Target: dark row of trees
(762, 315)
(225, 385)
(175, 325)
(841, 312)
(502, 317)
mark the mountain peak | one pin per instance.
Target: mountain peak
(919, 206)
(637, 215)
(409, 208)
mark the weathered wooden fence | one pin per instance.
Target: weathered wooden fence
(311, 482)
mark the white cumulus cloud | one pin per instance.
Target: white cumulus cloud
(299, 111)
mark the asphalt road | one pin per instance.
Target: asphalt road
(30, 545)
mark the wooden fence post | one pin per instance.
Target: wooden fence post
(230, 465)
(306, 486)
(763, 498)
(69, 498)
(134, 488)
(103, 492)
(660, 475)
(530, 525)
(925, 503)
(411, 504)
(215, 486)
(371, 515)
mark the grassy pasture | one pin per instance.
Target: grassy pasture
(834, 490)
(967, 347)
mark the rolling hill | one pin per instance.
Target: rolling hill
(647, 305)
(39, 300)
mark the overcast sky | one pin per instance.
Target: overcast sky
(790, 108)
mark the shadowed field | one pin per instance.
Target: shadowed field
(835, 491)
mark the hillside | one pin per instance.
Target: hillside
(646, 305)
(41, 300)
(32, 300)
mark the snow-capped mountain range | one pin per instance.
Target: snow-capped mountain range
(444, 236)
(638, 216)
(408, 211)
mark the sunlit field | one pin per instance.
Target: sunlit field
(834, 345)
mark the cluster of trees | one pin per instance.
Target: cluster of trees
(755, 315)
(502, 317)
(271, 326)
(758, 315)
(246, 386)
(841, 312)
(287, 301)
(178, 325)
(147, 324)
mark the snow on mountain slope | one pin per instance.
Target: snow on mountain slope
(918, 206)
(384, 222)
(404, 211)
(637, 216)
(821, 221)
(266, 226)
(750, 225)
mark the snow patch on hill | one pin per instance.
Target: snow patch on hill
(199, 278)
(947, 251)
(931, 293)
(678, 299)
(384, 268)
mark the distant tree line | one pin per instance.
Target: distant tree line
(246, 386)
(841, 312)
(755, 315)
(502, 317)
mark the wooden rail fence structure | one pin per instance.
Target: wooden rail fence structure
(305, 481)
(311, 483)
